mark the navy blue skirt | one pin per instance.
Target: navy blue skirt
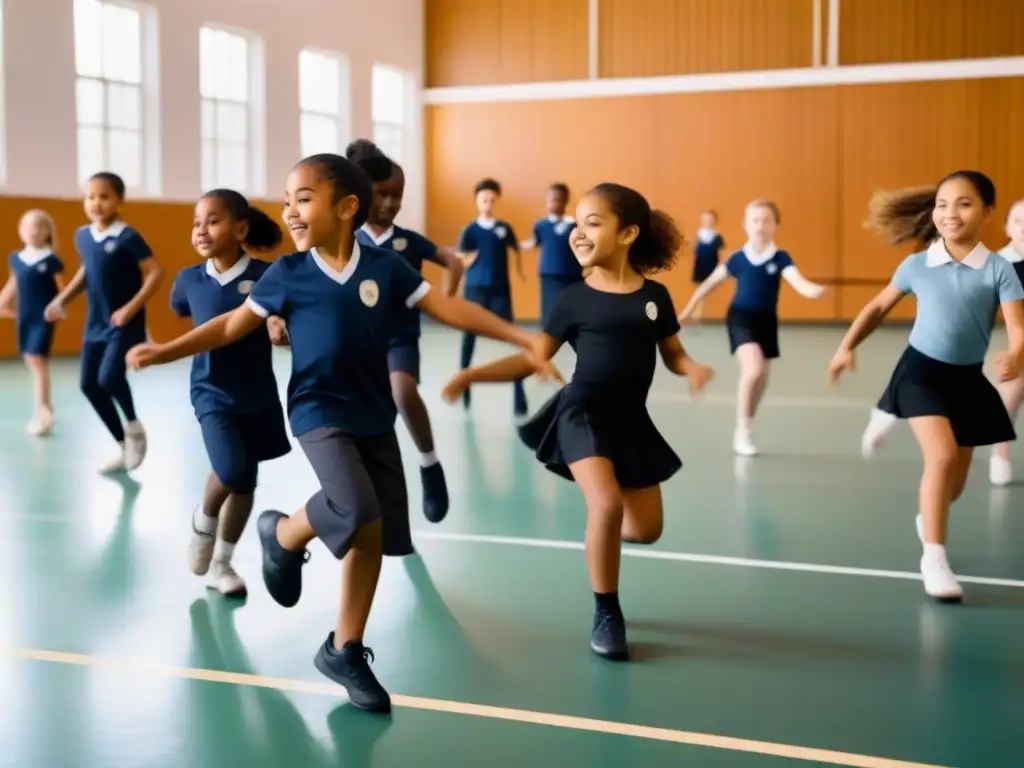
(35, 337)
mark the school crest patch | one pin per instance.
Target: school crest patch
(110, 246)
(771, 269)
(399, 244)
(245, 287)
(652, 310)
(41, 267)
(369, 293)
(500, 232)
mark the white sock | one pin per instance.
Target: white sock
(134, 427)
(743, 425)
(204, 523)
(428, 459)
(222, 551)
(934, 549)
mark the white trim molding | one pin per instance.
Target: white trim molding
(594, 39)
(816, 33)
(833, 33)
(806, 77)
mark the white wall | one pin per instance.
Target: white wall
(39, 84)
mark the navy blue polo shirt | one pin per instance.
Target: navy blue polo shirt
(490, 241)
(551, 234)
(112, 278)
(758, 279)
(340, 325)
(35, 272)
(414, 249)
(238, 378)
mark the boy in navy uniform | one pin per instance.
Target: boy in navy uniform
(558, 266)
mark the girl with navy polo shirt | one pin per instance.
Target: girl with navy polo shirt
(1000, 469)
(596, 430)
(339, 300)
(484, 247)
(938, 384)
(558, 266)
(381, 231)
(233, 389)
(753, 320)
(118, 276)
(706, 254)
(35, 279)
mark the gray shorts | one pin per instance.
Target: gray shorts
(361, 480)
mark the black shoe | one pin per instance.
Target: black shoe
(350, 668)
(435, 493)
(282, 569)
(608, 637)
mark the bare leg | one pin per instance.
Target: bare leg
(42, 406)
(752, 382)
(1000, 468)
(643, 519)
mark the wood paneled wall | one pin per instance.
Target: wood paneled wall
(887, 31)
(167, 227)
(819, 153)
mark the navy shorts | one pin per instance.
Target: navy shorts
(35, 337)
(404, 357)
(236, 444)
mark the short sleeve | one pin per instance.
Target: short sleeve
(179, 296)
(407, 285)
(269, 296)
(732, 264)
(1010, 288)
(666, 320)
(510, 237)
(136, 246)
(719, 242)
(783, 260)
(536, 233)
(903, 277)
(58, 265)
(562, 324)
(467, 241)
(424, 246)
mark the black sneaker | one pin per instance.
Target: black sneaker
(282, 569)
(608, 637)
(435, 493)
(350, 668)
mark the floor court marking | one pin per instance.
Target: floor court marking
(687, 557)
(690, 738)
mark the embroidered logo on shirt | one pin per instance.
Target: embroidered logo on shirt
(771, 269)
(110, 246)
(41, 267)
(500, 232)
(562, 227)
(652, 310)
(245, 287)
(369, 293)
(399, 244)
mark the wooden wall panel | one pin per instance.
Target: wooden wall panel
(648, 38)
(886, 31)
(469, 42)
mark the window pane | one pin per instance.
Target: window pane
(89, 102)
(232, 121)
(124, 107)
(207, 63)
(208, 119)
(319, 82)
(122, 57)
(238, 57)
(390, 139)
(208, 164)
(124, 148)
(319, 134)
(88, 38)
(388, 95)
(90, 153)
(232, 165)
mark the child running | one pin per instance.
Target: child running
(119, 276)
(404, 353)
(557, 266)
(753, 317)
(597, 430)
(35, 280)
(938, 384)
(233, 389)
(339, 300)
(706, 254)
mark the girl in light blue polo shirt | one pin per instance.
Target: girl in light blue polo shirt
(938, 384)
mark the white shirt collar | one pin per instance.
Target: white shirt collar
(382, 238)
(233, 273)
(707, 235)
(1011, 254)
(31, 256)
(937, 255)
(339, 277)
(487, 223)
(757, 259)
(114, 230)
(554, 219)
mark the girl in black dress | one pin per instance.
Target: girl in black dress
(706, 254)
(596, 430)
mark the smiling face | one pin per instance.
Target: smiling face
(387, 200)
(311, 213)
(959, 211)
(597, 240)
(1015, 226)
(214, 232)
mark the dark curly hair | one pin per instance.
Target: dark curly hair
(659, 240)
(369, 157)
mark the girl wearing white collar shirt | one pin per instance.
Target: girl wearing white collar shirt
(1000, 470)
(938, 384)
(753, 320)
(34, 280)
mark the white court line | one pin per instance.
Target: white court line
(687, 557)
(712, 741)
(770, 402)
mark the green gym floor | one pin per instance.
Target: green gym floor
(780, 621)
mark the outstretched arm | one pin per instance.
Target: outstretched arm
(507, 369)
(863, 326)
(152, 276)
(715, 279)
(1010, 364)
(71, 292)
(216, 333)
(8, 296)
(472, 318)
(801, 284)
(453, 270)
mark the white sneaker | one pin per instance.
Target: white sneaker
(939, 581)
(878, 427)
(134, 445)
(1000, 470)
(116, 464)
(224, 579)
(200, 551)
(743, 443)
(41, 424)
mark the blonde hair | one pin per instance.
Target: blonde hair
(40, 215)
(768, 205)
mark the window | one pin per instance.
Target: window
(390, 94)
(109, 93)
(323, 97)
(226, 114)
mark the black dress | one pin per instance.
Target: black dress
(603, 410)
